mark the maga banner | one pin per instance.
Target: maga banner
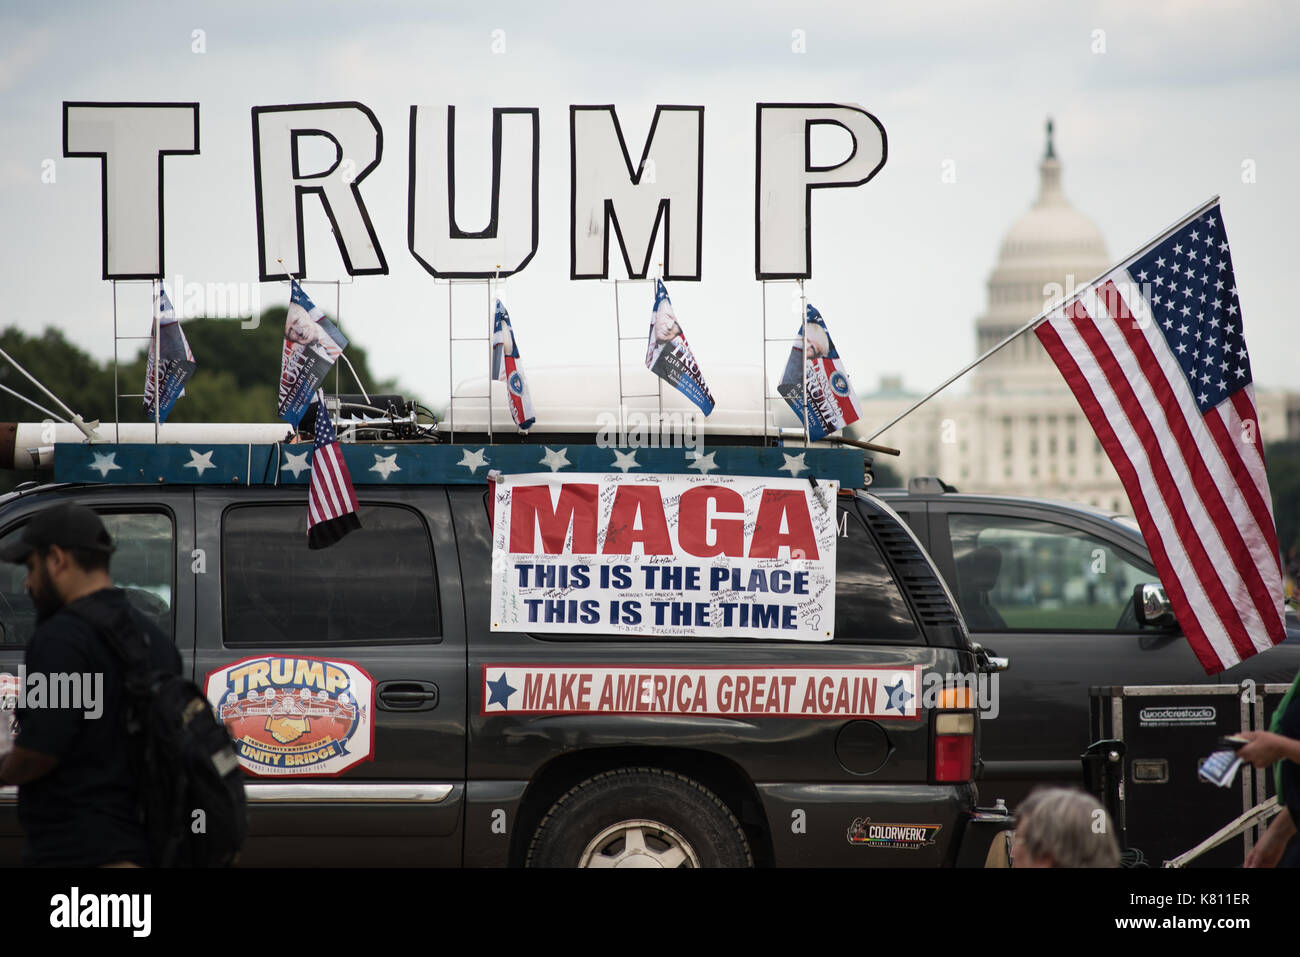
(687, 555)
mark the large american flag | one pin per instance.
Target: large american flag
(331, 502)
(1156, 356)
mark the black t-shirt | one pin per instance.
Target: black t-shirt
(84, 812)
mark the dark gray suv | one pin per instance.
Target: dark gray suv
(1049, 586)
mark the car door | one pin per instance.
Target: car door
(153, 531)
(1052, 592)
(341, 672)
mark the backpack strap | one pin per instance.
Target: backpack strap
(120, 631)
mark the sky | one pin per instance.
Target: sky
(1156, 106)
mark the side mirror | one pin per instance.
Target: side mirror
(987, 661)
(1153, 607)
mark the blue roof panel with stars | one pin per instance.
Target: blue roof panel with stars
(1193, 298)
(136, 464)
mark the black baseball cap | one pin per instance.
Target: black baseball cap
(68, 526)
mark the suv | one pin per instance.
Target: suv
(371, 671)
(1051, 586)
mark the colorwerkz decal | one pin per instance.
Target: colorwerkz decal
(906, 836)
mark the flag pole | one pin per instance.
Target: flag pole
(803, 333)
(1042, 316)
(157, 341)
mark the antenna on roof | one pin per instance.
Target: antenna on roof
(87, 428)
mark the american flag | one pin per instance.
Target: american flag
(331, 503)
(1156, 356)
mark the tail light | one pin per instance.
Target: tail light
(954, 746)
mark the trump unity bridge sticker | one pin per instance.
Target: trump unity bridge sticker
(295, 715)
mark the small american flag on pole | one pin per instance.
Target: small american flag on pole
(1155, 353)
(331, 502)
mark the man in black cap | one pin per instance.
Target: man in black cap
(78, 800)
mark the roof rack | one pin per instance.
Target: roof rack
(420, 464)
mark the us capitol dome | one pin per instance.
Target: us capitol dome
(1019, 430)
(1047, 251)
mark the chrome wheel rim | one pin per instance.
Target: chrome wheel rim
(638, 843)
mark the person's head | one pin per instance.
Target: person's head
(301, 329)
(1063, 827)
(66, 550)
(666, 327)
(819, 343)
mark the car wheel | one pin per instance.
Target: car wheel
(639, 817)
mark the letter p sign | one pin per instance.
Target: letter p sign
(787, 177)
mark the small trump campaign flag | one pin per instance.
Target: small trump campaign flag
(832, 403)
(670, 358)
(1156, 355)
(506, 368)
(331, 502)
(311, 345)
(175, 363)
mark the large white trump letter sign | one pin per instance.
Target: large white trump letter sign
(130, 140)
(508, 241)
(664, 191)
(280, 185)
(786, 178)
(688, 555)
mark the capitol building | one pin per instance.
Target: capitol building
(1019, 430)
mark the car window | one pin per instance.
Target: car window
(143, 565)
(375, 586)
(1024, 574)
(869, 605)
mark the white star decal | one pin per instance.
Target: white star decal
(625, 460)
(1182, 347)
(200, 463)
(295, 462)
(1178, 250)
(555, 460)
(1240, 372)
(1195, 235)
(1211, 220)
(105, 463)
(704, 463)
(794, 464)
(1203, 398)
(474, 460)
(1160, 264)
(385, 465)
(1222, 384)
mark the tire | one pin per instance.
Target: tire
(639, 817)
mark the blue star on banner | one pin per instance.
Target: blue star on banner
(898, 697)
(501, 691)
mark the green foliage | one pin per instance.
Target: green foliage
(1283, 463)
(237, 379)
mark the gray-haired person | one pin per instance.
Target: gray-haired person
(1063, 827)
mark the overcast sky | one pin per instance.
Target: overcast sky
(1184, 94)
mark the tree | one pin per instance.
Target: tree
(1282, 461)
(237, 379)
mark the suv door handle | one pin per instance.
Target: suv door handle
(408, 696)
